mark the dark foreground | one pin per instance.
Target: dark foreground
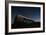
(26, 25)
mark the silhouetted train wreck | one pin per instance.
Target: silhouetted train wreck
(24, 22)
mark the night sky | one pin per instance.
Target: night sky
(30, 12)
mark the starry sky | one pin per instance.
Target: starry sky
(30, 12)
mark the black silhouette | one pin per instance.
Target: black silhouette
(22, 22)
